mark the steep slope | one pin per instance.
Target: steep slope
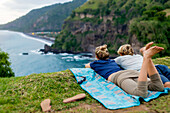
(49, 18)
(115, 22)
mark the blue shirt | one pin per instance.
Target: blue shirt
(105, 67)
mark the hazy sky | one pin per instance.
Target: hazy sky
(12, 9)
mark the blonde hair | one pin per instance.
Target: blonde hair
(125, 50)
(101, 52)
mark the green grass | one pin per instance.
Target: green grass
(164, 61)
(24, 94)
(160, 105)
(91, 4)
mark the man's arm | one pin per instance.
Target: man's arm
(87, 65)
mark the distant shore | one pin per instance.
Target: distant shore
(51, 39)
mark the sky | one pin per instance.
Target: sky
(13, 9)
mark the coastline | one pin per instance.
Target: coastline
(51, 39)
(48, 48)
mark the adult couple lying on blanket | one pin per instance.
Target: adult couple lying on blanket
(131, 81)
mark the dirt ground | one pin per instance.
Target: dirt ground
(85, 108)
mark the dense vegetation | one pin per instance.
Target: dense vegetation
(148, 20)
(49, 18)
(5, 69)
(24, 94)
(154, 25)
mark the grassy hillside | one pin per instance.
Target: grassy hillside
(91, 4)
(24, 94)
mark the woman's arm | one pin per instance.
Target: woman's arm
(87, 65)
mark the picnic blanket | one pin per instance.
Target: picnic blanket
(107, 93)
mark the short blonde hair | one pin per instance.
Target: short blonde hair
(102, 52)
(125, 49)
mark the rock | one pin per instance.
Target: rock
(24, 53)
(47, 48)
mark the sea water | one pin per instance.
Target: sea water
(16, 43)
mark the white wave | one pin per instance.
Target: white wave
(76, 57)
(79, 57)
(25, 54)
(65, 54)
(37, 51)
(49, 53)
(20, 54)
(90, 54)
(32, 38)
(69, 57)
(69, 60)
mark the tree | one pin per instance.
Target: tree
(150, 13)
(73, 14)
(5, 69)
(161, 16)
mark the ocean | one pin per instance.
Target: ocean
(16, 44)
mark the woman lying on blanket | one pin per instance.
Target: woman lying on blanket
(131, 81)
(130, 61)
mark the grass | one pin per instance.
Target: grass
(160, 105)
(164, 61)
(91, 4)
(24, 94)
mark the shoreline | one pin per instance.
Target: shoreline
(48, 48)
(41, 37)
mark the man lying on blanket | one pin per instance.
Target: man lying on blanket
(131, 81)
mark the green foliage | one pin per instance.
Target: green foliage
(157, 8)
(153, 25)
(121, 36)
(150, 13)
(5, 69)
(91, 5)
(94, 7)
(167, 4)
(92, 20)
(67, 42)
(73, 14)
(160, 16)
(154, 15)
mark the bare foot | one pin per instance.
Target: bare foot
(146, 47)
(152, 51)
(167, 84)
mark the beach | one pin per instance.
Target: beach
(51, 39)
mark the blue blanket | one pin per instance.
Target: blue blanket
(107, 93)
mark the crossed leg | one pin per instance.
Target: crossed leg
(149, 68)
